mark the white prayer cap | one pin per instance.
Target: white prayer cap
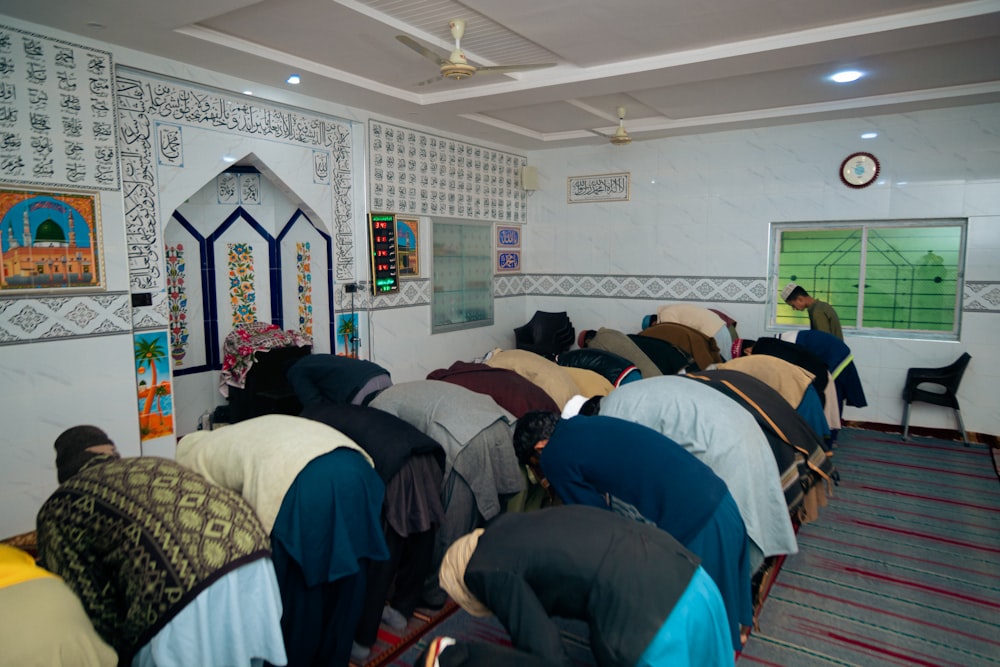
(573, 405)
(787, 292)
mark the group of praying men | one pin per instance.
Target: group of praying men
(287, 540)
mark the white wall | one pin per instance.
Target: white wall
(401, 340)
(702, 206)
(48, 387)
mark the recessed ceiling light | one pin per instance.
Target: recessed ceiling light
(847, 76)
(228, 158)
(869, 135)
(248, 92)
(294, 79)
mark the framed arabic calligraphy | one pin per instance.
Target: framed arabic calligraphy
(597, 188)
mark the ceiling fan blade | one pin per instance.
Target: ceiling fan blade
(427, 82)
(422, 50)
(513, 68)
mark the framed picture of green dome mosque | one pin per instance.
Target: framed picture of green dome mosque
(50, 241)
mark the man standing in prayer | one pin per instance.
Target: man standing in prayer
(317, 493)
(822, 316)
(170, 568)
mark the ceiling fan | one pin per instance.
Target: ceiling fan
(620, 137)
(455, 66)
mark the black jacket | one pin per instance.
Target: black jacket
(620, 576)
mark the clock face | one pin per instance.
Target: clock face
(859, 170)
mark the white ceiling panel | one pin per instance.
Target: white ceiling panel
(678, 66)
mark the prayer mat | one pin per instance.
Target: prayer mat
(391, 643)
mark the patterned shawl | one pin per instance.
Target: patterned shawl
(138, 538)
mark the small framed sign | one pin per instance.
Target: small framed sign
(408, 246)
(508, 261)
(508, 236)
(597, 188)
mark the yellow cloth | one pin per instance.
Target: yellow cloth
(17, 566)
(550, 376)
(688, 314)
(786, 378)
(43, 624)
(452, 573)
(591, 383)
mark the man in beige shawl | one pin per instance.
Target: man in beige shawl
(259, 458)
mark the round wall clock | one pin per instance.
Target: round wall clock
(859, 170)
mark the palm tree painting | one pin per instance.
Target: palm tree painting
(347, 327)
(151, 356)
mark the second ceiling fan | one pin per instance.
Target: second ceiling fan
(455, 65)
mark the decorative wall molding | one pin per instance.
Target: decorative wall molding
(415, 292)
(27, 320)
(982, 296)
(718, 289)
(156, 317)
(31, 320)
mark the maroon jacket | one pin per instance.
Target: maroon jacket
(514, 393)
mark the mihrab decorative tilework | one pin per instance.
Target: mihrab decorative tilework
(145, 102)
(28, 320)
(419, 173)
(303, 278)
(242, 296)
(178, 302)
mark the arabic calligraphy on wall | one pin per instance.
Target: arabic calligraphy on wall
(597, 188)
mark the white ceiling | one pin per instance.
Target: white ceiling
(678, 66)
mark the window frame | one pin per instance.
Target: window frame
(471, 261)
(774, 284)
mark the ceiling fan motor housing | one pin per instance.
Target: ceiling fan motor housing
(457, 71)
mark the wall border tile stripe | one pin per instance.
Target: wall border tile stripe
(32, 319)
(36, 319)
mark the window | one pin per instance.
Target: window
(463, 276)
(879, 276)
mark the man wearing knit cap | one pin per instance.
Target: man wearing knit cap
(645, 598)
(822, 316)
(152, 550)
(75, 446)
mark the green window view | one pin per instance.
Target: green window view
(877, 276)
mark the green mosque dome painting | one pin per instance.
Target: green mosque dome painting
(50, 231)
(49, 240)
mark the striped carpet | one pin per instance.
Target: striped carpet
(902, 567)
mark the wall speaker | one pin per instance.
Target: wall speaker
(529, 178)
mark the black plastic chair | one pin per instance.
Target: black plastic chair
(946, 379)
(547, 334)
